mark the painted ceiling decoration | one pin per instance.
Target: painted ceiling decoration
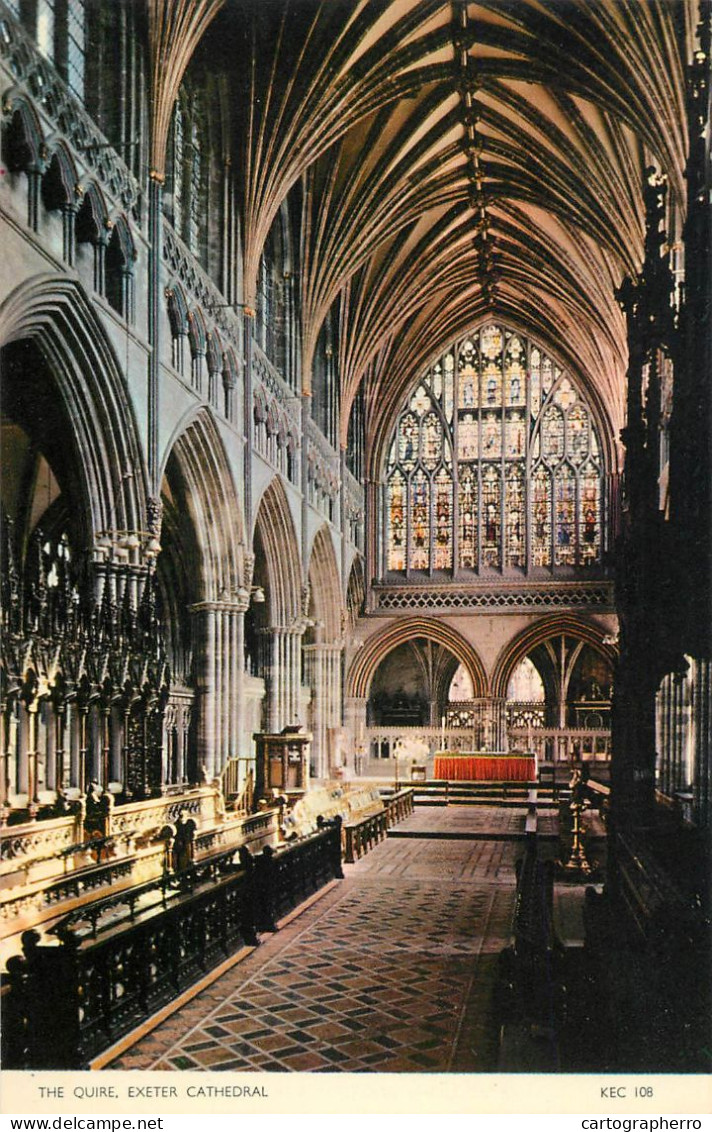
(461, 160)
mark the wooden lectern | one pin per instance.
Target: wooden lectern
(282, 762)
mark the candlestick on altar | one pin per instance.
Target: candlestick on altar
(442, 733)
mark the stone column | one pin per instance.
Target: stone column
(214, 381)
(330, 708)
(499, 725)
(375, 550)
(313, 657)
(69, 219)
(271, 670)
(9, 751)
(197, 365)
(155, 226)
(355, 726)
(221, 704)
(284, 675)
(294, 657)
(32, 753)
(205, 635)
(236, 714)
(247, 423)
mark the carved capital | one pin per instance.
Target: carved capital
(248, 569)
(155, 515)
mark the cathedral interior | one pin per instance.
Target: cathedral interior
(356, 677)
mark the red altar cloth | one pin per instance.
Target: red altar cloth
(499, 768)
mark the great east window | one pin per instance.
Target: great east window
(494, 465)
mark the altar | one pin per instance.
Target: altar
(473, 766)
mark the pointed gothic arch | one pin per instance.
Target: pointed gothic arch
(325, 588)
(60, 181)
(355, 591)
(57, 315)
(276, 534)
(542, 631)
(364, 665)
(214, 504)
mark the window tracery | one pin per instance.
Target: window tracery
(60, 34)
(494, 464)
(187, 169)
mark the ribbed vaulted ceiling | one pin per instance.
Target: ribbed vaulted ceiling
(462, 159)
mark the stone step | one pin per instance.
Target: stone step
(504, 803)
(468, 835)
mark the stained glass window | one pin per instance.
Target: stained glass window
(565, 494)
(541, 517)
(589, 516)
(494, 465)
(468, 437)
(491, 436)
(535, 382)
(468, 516)
(408, 437)
(491, 515)
(552, 429)
(396, 557)
(431, 440)
(577, 425)
(420, 522)
(443, 520)
(515, 510)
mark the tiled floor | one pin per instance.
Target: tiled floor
(393, 970)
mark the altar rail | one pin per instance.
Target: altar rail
(67, 1002)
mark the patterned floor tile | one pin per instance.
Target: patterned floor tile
(392, 971)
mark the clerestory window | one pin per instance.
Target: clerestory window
(59, 28)
(186, 173)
